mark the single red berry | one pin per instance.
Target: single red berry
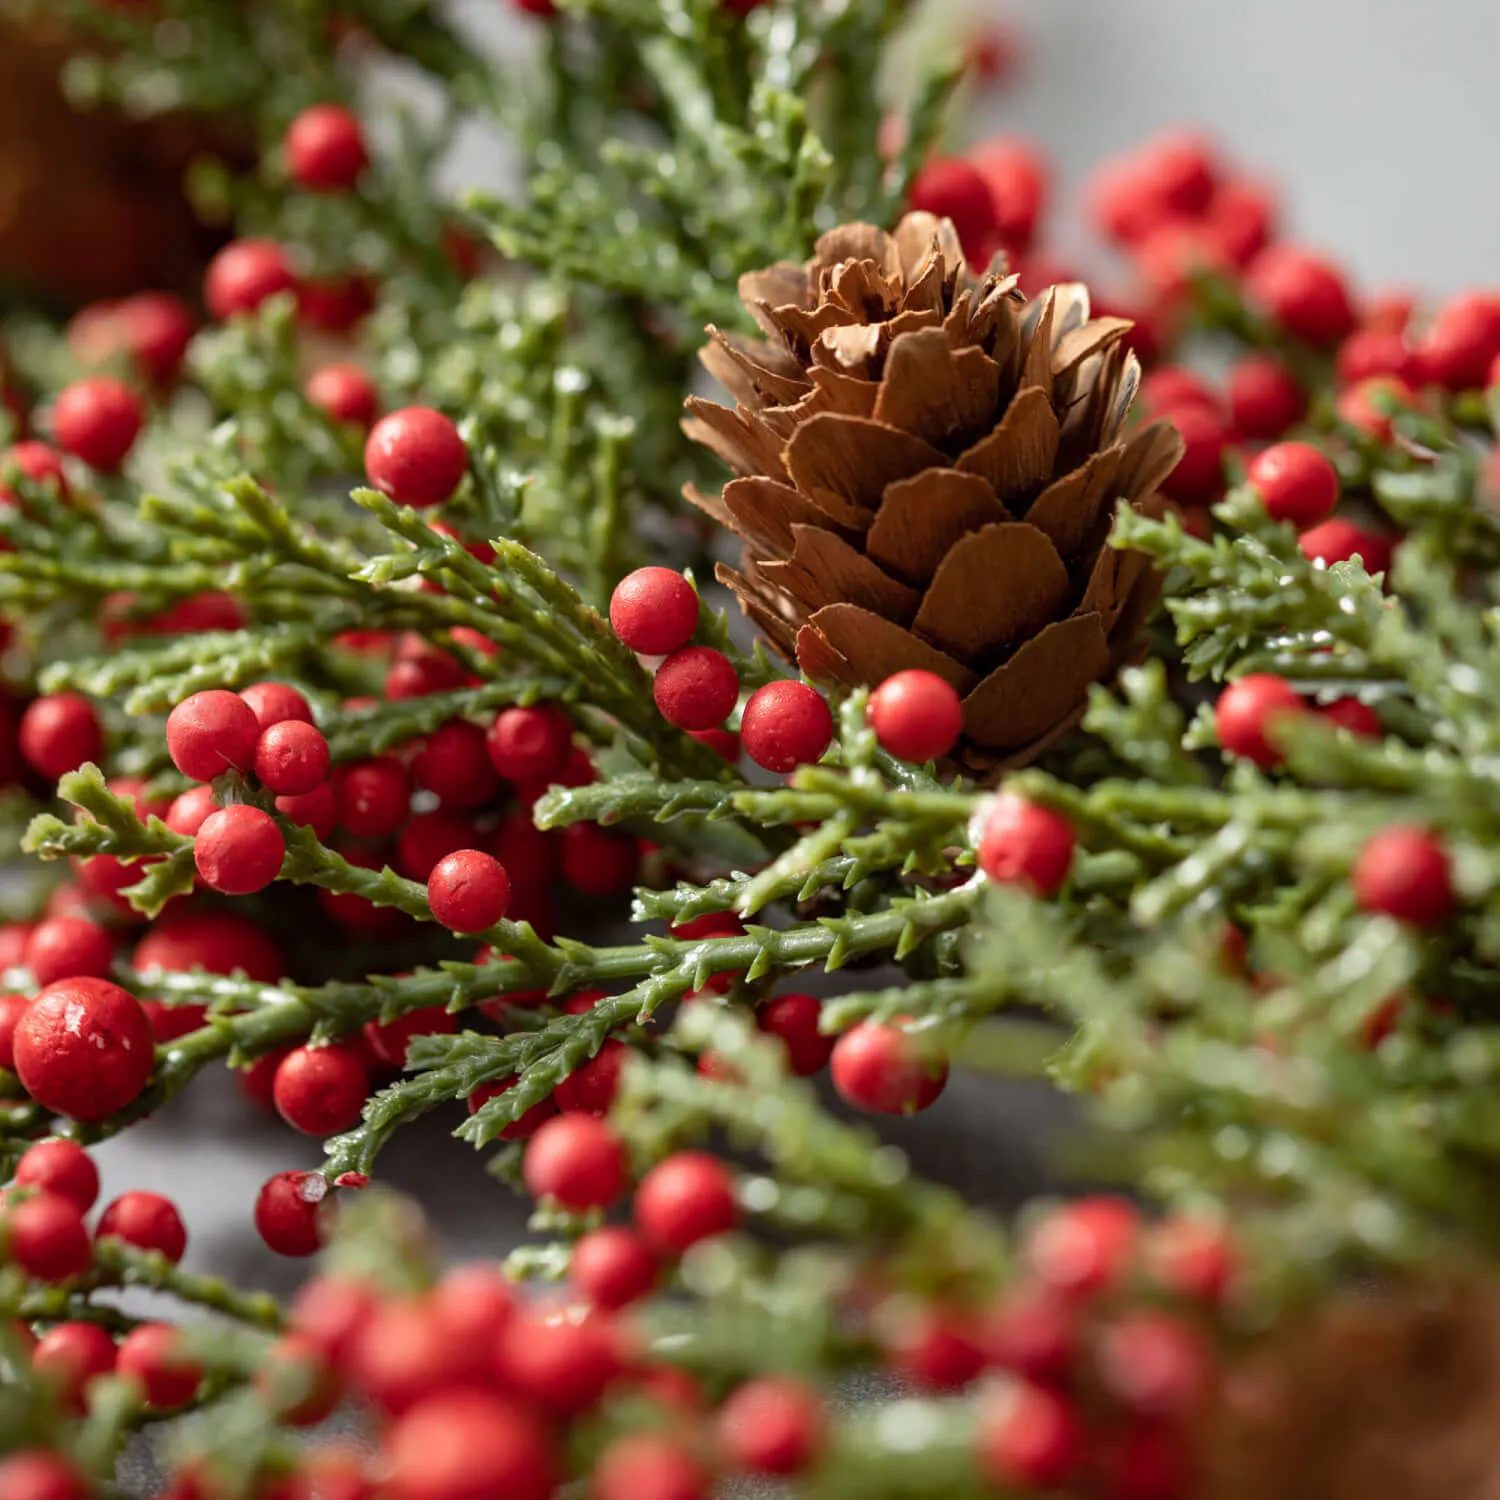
(591, 1087)
(654, 611)
(1169, 387)
(577, 1160)
(290, 1214)
(649, 1465)
(63, 1168)
(1198, 478)
(146, 1220)
(454, 764)
(245, 274)
(211, 733)
(239, 850)
(1180, 170)
(317, 809)
(84, 1048)
(1246, 715)
(469, 1445)
(1463, 341)
(794, 1020)
(1368, 352)
(1337, 540)
(916, 715)
(599, 861)
(613, 1267)
(936, 1349)
(1032, 1331)
(69, 948)
(216, 941)
(58, 733)
(1029, 1438)
(431, 836)
(35, 1474)
(373, 797)
(1370, 406)
(388, 1040)
(344, 393)
(1296, 482)
(686, 1198)
(298, 1362)
(98, 420)
(886, 1069)
(401, 1354)
(771, 1425)
(1154, 1364)
(191, 810)
(1085, 1246)
(563, 1364)
(70, 1355)
(156, 329)
(1016, 174)
(954, 189)
(330, 1313)
(38, 463)
(1027, 845)
(45, 1237)
(1403, 871)
(530, 744)
(468, 891)
(696, 688)
(1193, 1258)
(151, 1355)
(321, 1090)
(1265, 398)
(531, 855)
(275, 703)
(525, 1125)
(335, 304)
(1175, 254)
(543, 8)
(415, 674)
(416, 456)
(1302, 292)
(291, 758)
(1358, 718)
(325, 148)
(1242, 219)
(785, 725)
(725, 743)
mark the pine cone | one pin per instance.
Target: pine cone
(927, 469)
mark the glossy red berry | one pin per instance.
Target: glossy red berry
(785, 725)
(1337, 540)
(191, 810)
(794, 1020)
(416, 456)
(469, 1445)
(1296, 482)
(1369, 352)
(210, 733)
(155, 329)
(956, 190)
(1356, 717)
(58, 733)
(613, 1267)
(69, 1356)
(599, 861)
(468, 891)
(696, 688)
(290, 1213)
(431, 836)
(1403, 871)
(146, 1220)
(373, 797)
(325, 148)
(454, 765)
(649, 1466)
(275, 703)
(1198, 478)
(1029, 1438)
(1303, 293)
(245, 274)
(1016, 174)
(35, 1474)
(1085, 1246)
(771, 1425)
(577, 1160)
(238, 850)
(44, 1235)
(291, 758)
(916, 715)
(1265, 398)
(388, 1040)
(151, 1355)
(317, 809)
(654, 611)
(687, 1198)
(1463, 341)
(344, 393)
(1247, 713)
(321, 1090)
(63, 1168)
(1169, 387)
(884, 1068)
(530, 744)
(84, 1048)
(1025, 844)
(98, 419)
(591, 1087)
(67, 948)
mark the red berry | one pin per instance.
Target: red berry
(1084, 1246)
(723, 742)
(146, 1220)
(935, 1350)
(469, 1445)
(1199, 475)
(1463, 340)
(454, 764)
(32, 1474)
(1029, 1438)
(216, 941)
(59, 733)
(98, 420)
(430, 837)
(211, 733)
(771, 1425)
(613, 1267)
(696, 688)
(686, 1198)
(191, 810)
(1404, 872)
(886, 1069)
(245, 274)
(151, 1355)
(955, 190)
(785, 725)
(1173, 255)
(335, 303)
(63, 1168)
(468, 891)
(68, 948)
(36, 462)
(794, 1019)
(416, 456)
(916, 715)
(1032, 1332)
(535, 7)
(654, 611)
(289, 1213)
(1246, 715)
(70, 1355)
(577, 1160)
(155, 329)
(84, 1048)
(344, 393)
(1193, 1258)
(527, 1124)
(1296, 482)
(591, 1087)
(291, 758)
(45, 1237)
(1358, 718)
(321, 1090)
(599, 861)
(648, 1466)
(239, 850)
(530, 744)
(531, 855)
(1154, 1364)
(317, 809)
(325, 148)
(1179, 169)
(1302, 292)
(329, 1313)
(298, 1362)
(1265, 398)
(388, 1040)
(373, 797)
(1172, 386)
(1027, 845)
(1377, 351)
(1016, 175)
(1337, 540)
(1241, 219)
(563, 1365)
(275, 703)
(416, 674)
(1370, 406)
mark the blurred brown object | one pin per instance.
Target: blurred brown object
(92, 204)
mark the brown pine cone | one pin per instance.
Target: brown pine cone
(927, 469)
